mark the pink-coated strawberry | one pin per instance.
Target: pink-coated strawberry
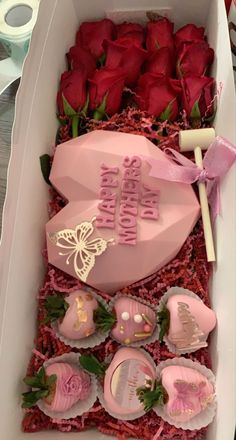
(189, 392)
(60, 385)
(132, 320)
(74, 313)
(186, 323)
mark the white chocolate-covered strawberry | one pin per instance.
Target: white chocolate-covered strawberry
(61, 385)
(74, 313)
(186, 322)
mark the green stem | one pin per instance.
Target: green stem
(75, 123)
(98, 115)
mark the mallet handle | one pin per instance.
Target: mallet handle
(205, 210)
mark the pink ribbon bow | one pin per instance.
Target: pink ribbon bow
(218, 159)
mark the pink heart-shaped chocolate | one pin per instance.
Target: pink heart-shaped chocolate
(190, 322)
(120, 224)
(189, 392)
(72, 385)
(78, 321)
(135, 321)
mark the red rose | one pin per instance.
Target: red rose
(129, 58)
(194, 59)
(160, 61)
(73, 89)
(92, 34)
(198, 96)
(160, 34)
(189, 33)
(78, 56)
(158, 95)
(134, 31)
(105, 91)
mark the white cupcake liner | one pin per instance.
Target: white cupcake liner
(150, 339)
(207, 415)
(81, 406)
(104, 404)
(90, 341)
(172, 292)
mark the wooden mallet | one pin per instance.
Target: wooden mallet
(198, 140)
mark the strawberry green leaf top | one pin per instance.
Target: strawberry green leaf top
(56, 307)
(164, 322)
(91, 364)
(153, 396)
(43, 385)
(104, 320)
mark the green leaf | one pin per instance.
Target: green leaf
(195, 112)
(164, 322)
(101, 61)
(166, 114)
(51, 380)
(84, 110)
(41, 375)
(56, 307)
(30, 398)
(152, 397)
(103, 319)
(68, 110)
(32, 381)
(92, 365)
(100, 111)
(75, 126)
(45, 164)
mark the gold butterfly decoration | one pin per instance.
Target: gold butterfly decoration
(77, 247)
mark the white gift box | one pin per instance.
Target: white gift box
(25, 212)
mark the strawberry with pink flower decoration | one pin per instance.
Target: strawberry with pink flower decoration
(57, 387)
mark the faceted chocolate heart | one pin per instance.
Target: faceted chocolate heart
(120, 224)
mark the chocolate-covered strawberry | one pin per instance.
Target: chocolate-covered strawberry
(132, 385)
(80, 315)
(180, 394)
(130, 321)
(73, 313)
(60, 385)
(185, 323)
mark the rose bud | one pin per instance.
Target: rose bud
(78, 56)
(160, 61)
(198, 95)
(132, 31)
(189, 34)
(72, 91)
(159, 96)
(92, 34)
(185, 322)
(105, 91)
(60, 386)
(194, 59)
(160, 34)
(130, 59)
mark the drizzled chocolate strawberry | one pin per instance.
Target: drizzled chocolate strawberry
(185, 322)
(60, 386)
(131, 386)
(79, 315)
(130, 321)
